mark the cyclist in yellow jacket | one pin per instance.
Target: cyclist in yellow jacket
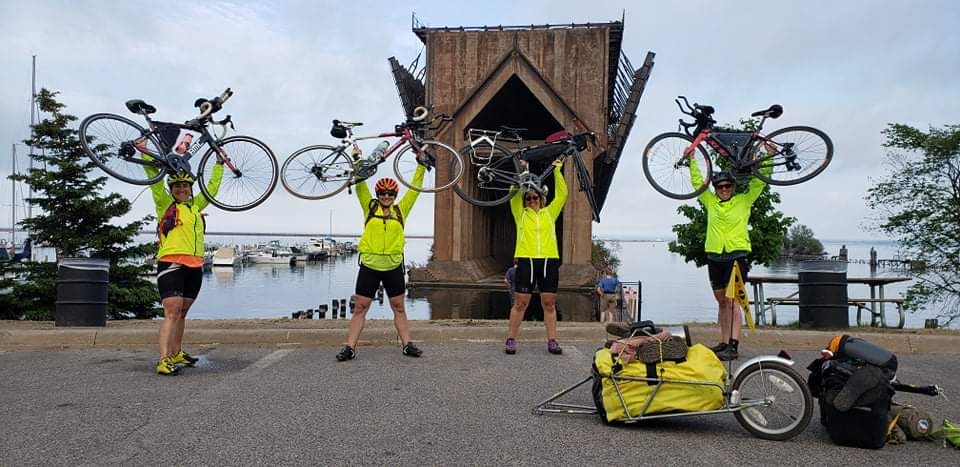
(727, 243)
(381, 259)
(538, 259)
(180, 258)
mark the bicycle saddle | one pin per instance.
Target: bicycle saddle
(774, 111)
(138, 106)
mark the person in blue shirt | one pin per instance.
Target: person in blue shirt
(607, 288)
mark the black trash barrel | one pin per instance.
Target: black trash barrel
(823, 294)
(82, 292)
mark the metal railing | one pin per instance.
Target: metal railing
(626, 75)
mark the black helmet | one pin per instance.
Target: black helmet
(723, 176)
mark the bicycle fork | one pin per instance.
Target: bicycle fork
(223, 158)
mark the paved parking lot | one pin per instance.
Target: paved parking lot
(462, 404)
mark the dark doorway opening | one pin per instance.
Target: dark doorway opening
(514, 105)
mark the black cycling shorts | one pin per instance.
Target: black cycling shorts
(177, 280)
(368, 280)
(720, 272)
(541, 274)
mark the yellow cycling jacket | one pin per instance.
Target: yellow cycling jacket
(536, 230)
(727, 220)
(186, 238)
(382, 241)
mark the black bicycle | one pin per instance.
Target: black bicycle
(786, 156)
(495, 172)
(117, 145)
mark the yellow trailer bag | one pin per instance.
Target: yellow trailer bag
(701, 364)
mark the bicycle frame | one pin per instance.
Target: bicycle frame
(406, 135)
(740, 160)
(206, 138)
(705, 131)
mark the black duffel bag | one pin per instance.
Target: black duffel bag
(852, 382)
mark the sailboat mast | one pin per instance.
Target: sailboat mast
(13, 199)
(33, 108)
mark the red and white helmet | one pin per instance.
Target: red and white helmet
(386, 184)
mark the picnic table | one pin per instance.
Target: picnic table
(874, 304)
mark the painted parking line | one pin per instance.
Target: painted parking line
(269, 359)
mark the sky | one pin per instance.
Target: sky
(849, 68)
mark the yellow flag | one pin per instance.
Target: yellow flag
(737, 290)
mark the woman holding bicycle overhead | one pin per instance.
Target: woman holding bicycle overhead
(180, 228)
(727, 244)
(538, 259)
(381, 259)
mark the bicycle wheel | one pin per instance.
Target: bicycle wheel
(489, 178)
(316, 172)
(102, 136)
(802, 153)
(668, 170)
(787, 404)
(583, 178)
(447, 166)
(251, 179)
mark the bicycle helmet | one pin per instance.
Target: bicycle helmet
(723, 176)
(386, 184)
(180, 177)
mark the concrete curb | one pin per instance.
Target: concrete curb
(32, 336)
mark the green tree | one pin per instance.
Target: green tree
(801, 241)
(603, 257)
(74, 219)
(920, 200)
(767, 225)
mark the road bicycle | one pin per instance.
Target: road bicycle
(497, 172)
(786, 156)
(117, 145)
(321, 171)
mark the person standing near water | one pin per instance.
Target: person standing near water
(538, 258)
(381, 259)
(727, 246)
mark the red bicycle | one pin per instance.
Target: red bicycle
(787, 156)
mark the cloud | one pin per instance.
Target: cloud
(848, 68)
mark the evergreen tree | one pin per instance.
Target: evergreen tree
(920, 199)
(767, 225)
(75, 220)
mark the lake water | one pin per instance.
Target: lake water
(672, 290)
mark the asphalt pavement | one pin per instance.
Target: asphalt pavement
(463, 403)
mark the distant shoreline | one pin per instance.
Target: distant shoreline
(647, 239)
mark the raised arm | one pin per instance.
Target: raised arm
(410, 197)
(696, 179)
(162, 199)
(213, 186)
(516, 202)
(560, 194)
(363, 196)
